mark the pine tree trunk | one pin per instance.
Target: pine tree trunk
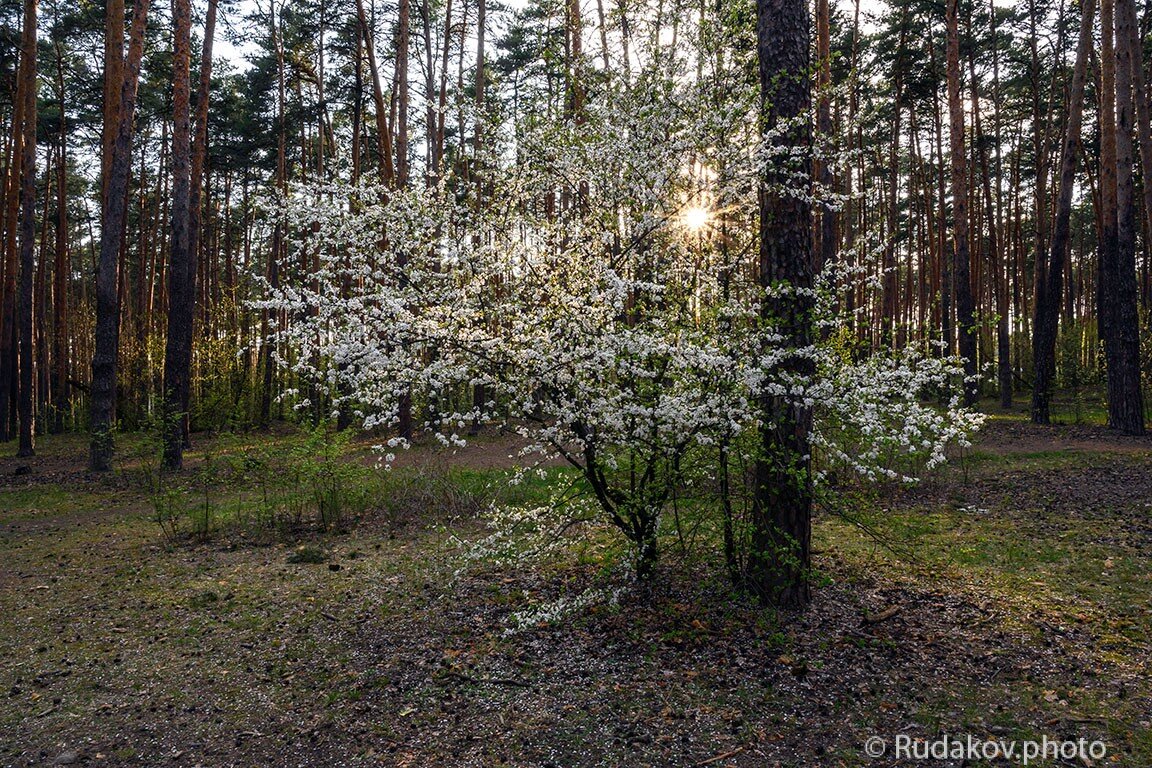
(780, 560)
(430, 175)
(829, 235)
(1049, 292)
(1144, 133)
(182, 258)
(575, 32)
(61, 274)
(889, 281)
(402, 96)
(24, 308)
(266, 363)
(995, 212)
(9, 365)
(1122, 347)
(965, 315)
(383, 132)
(113, 81)
(1039, 121)
(442, 101)
(115, 208)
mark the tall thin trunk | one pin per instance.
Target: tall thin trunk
(575, 32)
(603, 35)
(61, 274)
(24, 308)
(479, 396)
(277, 247)
(965, 315)
(200, 139)
(402, 96)
(1144, 132)
(401, 105)
(199, 153)
(9, 365)
(829, 220)
(115, 210)
(1122, 345)
(996, 222)
(181, 259)
(383, 132)
(358, 110)
(782, 505)
(1039, 121)
(430, 175)
(1048, 293)
(113, 79)
(995, 241)
(442, 101)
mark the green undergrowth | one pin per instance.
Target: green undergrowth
(369, 631)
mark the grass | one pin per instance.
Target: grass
(29, 503)
(1024, 612)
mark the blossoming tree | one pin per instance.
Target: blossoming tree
(609, 302)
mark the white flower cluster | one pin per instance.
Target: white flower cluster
(586, 316)
(560, 608)
(524, 533)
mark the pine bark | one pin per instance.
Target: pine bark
(403, 37)
(61, 274)
(266, 362)
(182, 259)
(829, 230)
(9, 349)
(779, 564)
(115, 209)
(383, 132)
(965, 315)
(24, 308)
(1048, 292)
(1125, 397)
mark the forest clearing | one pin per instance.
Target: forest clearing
(1022, 607)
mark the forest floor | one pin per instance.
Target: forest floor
(1012, 600)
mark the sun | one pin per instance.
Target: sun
(696, 218)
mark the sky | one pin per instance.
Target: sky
(224, 50)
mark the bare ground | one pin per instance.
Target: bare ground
(1026, 611)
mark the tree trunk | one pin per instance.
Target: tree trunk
(383, 132)
(829, 235)
(1048, 293)
(400, 96)
(115, 209)
(402, 38)
(113, 81)
(442, 101)
(995, 211)
(479, 396)
(1039, 134)
(1116, 273)
(24, 308)
(961, 272)
(61, 274)
(266, 362)
(1144, 132)
(575, 32)
(1125, 397)
(430, 174)
(181, 259)
(9, 365)
(780, 560)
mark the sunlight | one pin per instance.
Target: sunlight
(696, 218)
